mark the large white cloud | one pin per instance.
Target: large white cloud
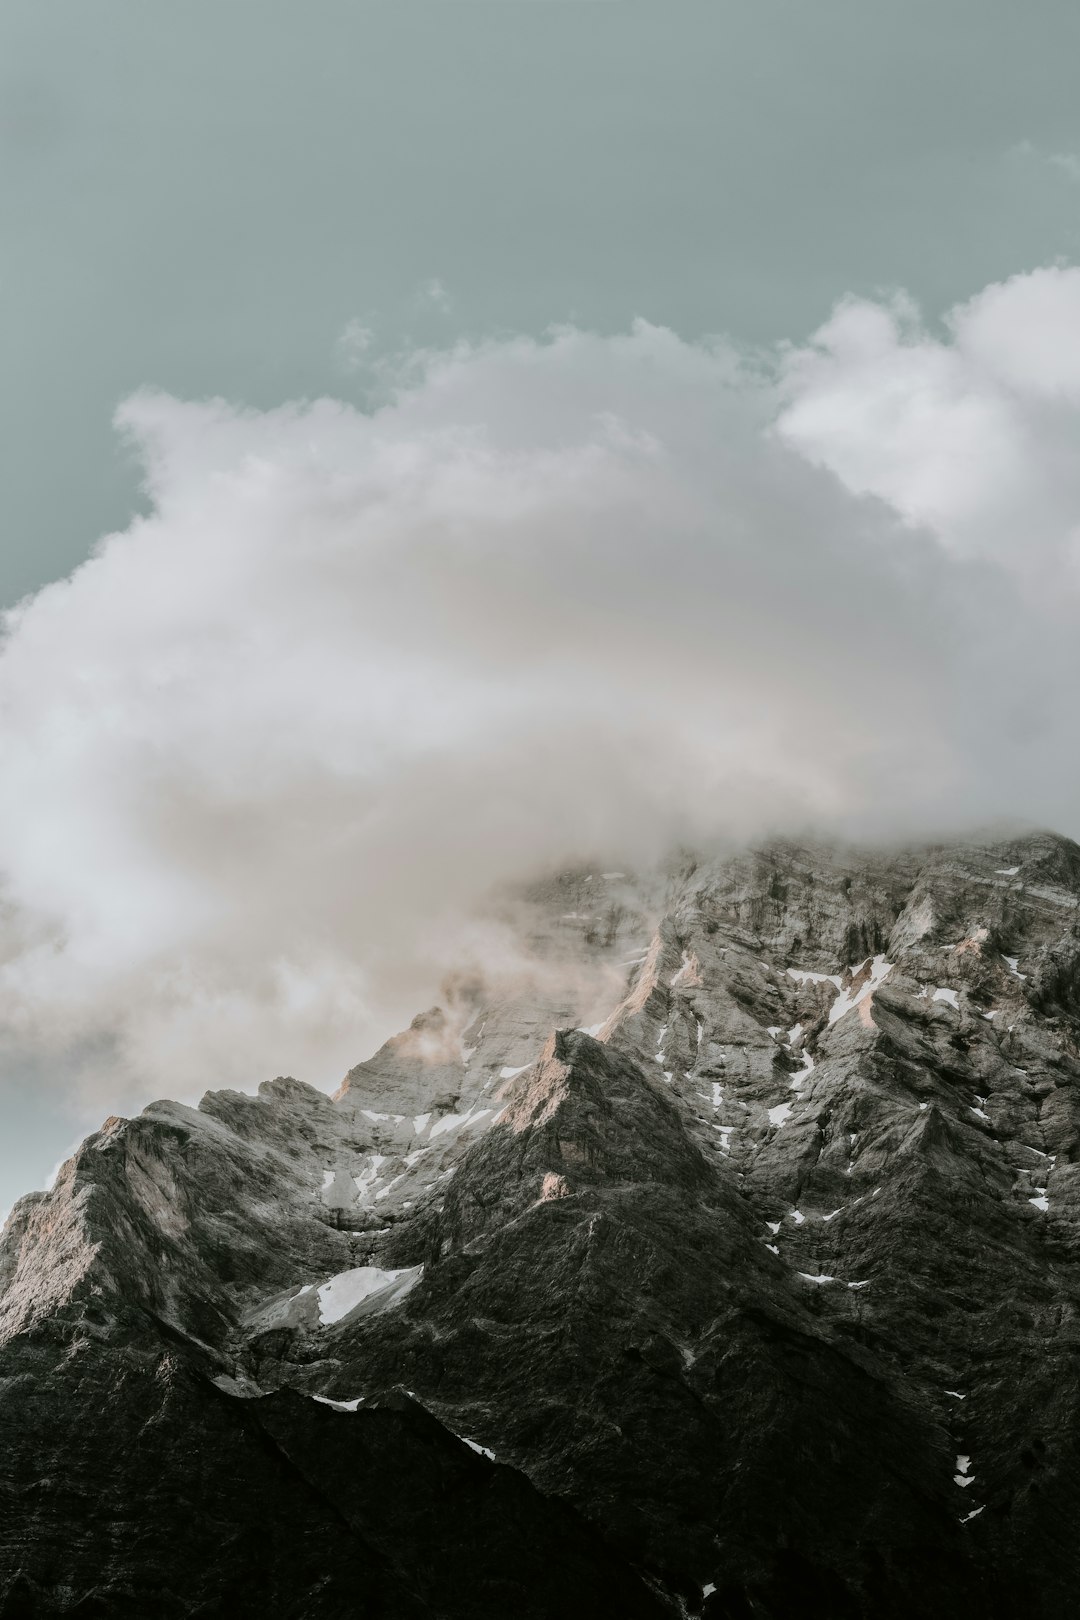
(973, 432)
(264, 749)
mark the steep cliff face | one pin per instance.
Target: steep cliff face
(757, 1295)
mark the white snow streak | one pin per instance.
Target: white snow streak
(802, 1074)
(801, 977)
(847, 999)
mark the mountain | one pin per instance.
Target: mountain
(757, 1296)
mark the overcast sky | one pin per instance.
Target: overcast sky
(834, 458)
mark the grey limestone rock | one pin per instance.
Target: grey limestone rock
(757, 1296)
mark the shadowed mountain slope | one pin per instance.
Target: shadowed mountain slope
(757, 1297)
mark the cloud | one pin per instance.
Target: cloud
(265, 749)
(434, 292)
(971, 434)
(354, 344)
(1066, 163)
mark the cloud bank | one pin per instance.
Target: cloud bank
(264, 749)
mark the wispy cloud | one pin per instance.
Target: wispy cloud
(1066, 163)
(354, 344)
(435, 293)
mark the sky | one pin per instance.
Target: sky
(410, 410)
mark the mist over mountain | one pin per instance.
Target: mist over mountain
(268, 750)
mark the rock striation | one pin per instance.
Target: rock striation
(755, 1294)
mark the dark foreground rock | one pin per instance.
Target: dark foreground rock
(760, 1297)
(155, 1493)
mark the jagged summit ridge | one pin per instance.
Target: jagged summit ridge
(768, 1273)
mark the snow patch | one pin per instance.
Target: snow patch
(796, 1080)
(850, 998)
(349, 1289)
(813, 979)
(453, 1122)
(687, 969)
(368, 1177)
(1006, 871)
(950, 996)
(779, 1114)
(448, 1122)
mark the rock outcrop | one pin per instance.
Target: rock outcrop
(759, 1295)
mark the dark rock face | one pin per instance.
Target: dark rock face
(763, 1292)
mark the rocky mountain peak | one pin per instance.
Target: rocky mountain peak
(719, 1260)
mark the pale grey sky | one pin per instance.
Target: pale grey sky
(207, 198)
(202, 196)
